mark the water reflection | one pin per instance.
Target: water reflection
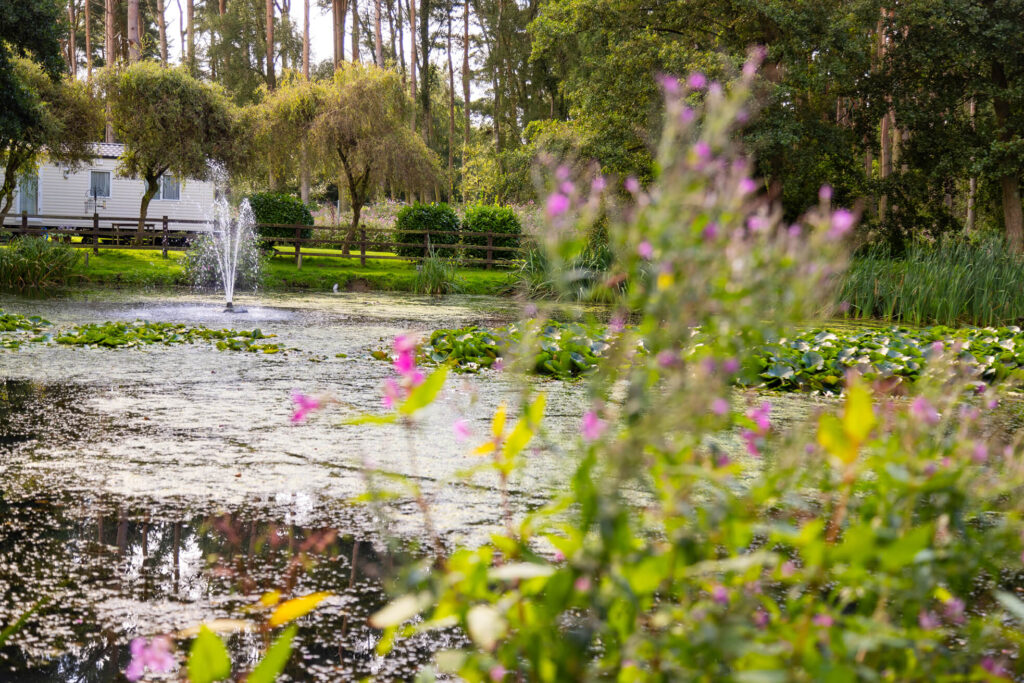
(114, 576)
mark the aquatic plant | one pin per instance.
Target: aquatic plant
(139, 333)
(882, 539)
(436, 275)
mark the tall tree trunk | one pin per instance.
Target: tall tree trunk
(378, 39)
(496, 76)
(972, 183)
(271, 79)
(412, 57)
(305, 40)
(391, 32)
(161, 23)
(72, 48)
(134, 53)
(1013, 215)
(191, 8)
(355, 31)
(152, 187)
(400, 22)
(108, 55)
(182, 32)
(88, 42)
(465, 73)
(451, 114)
(424, 27)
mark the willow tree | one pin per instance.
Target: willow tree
(60, 119)
(169, 122)
(362, 126)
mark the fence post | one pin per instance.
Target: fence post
(426, 243)
(95, 232)
(490, 250)
(165, 238)
(362, 246)
(24, 222)
(298, 248)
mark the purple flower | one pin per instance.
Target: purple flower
(825, 193)
(582, 584)
(720, 406)
(557, 204)
(980, 452)
(719, 594)
(669, 83)
(787, 569)
(404, 343)
(751, 440)
(922, 410)
(498, 364)
(592, 426)
(710, 232)
(748, 186)
(761, 417)
(598, 184)
(632, 185)
(696, 80)
(756, 223)
(303, 405)
(405, 364)
(392, 394)
(155, 656)
(566, 187)
(645, 251)
(842, 221)
(761, 618)
(927, 620)
(667, 359)
(995, 668)
(702, 150)
(953, 610)
(497, 673)
(687, 115)
(461, 430)
(731, 366)
(562, 172)
(823, 620)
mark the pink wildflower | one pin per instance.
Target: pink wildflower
(592, 427)
(562, 172)
(842, 222)
(980, 452)
(953, 610)
(756, 224)
(392, 394)
(667, 359)
(303, 405)
(710, 232)
(927, 620)
(645, 251)
(823, 620)
(825, 193)
(720, 594)
(632, 185)
(557, 205)
(669, 83)
(702, 150)
(582, 584)
(720, 406)
(731, 366)
(405, 364)
(497, 673)
(154, 656)
(751, 440)
(697, 80)
(461, 430)
(761, 618)
(404, 343)
(598, 184)
(566, 187)
(760, 416)
(687, 115)
(924, 411)
(748, 186)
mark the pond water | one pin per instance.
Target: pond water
(136, 482)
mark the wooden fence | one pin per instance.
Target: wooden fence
(170, 234)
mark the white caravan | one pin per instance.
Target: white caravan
(71, 197)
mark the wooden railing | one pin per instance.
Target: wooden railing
(172, 234)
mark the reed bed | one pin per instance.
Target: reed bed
(950, 283)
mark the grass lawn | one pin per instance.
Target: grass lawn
(146, 268)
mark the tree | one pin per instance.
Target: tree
(169, 122)
(271, 80)
(134, 51)
(362, 121)
(61, 122)
(26, 28)
(161, 19)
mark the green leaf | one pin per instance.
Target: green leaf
(208, 659)
(276, 659)
(425, 393)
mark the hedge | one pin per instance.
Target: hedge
(496, 219)
(274, 207)
(437, 218)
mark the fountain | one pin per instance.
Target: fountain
(233, 243)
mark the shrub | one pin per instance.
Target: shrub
(274, 207)
(35, 264)
(413, 220)
(493, 219)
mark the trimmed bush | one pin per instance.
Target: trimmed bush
(496, 219)
(437, 218)
(274, 207)
(35, 264)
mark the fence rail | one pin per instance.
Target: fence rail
(123, 234)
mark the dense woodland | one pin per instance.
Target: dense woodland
(912, 111)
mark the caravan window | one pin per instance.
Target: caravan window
(170, 188)
(28, 194)
(99, 184)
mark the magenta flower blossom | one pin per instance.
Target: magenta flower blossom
(953, 610)
(823, 620)
(697, 80)
(927, 620)
(980, 452)
(562, 172)
(592, 426)
(304, 405)
(498, 364)
(645, 251)
(498, 673)
(731, 366)
(748, 186)
(566, 187)
(719, 594)
(557, 205)
(405, 363)
(632, 185)
(461, 430)
(761, 417)
(669, 83)
(761, 618)
(582, 584)
(687, 115)
(995, 668)
(154, 656)
(842, 222)
(616, 324)
(702, 150)
(404, 343)
(752, 441)
(720, 406)
(923, 411)
(756, 224)
(710, 232)
(667, 359)
(598, 184)
(825, 193)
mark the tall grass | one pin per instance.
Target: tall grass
(953, 282)
(35, 264)
(436, 275)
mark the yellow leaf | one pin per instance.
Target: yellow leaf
(217, 626)
(517, 440)
(270, 598)
(295, 608)
(859, 415)
(485, 448)
(498, 426)
(535, 413)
